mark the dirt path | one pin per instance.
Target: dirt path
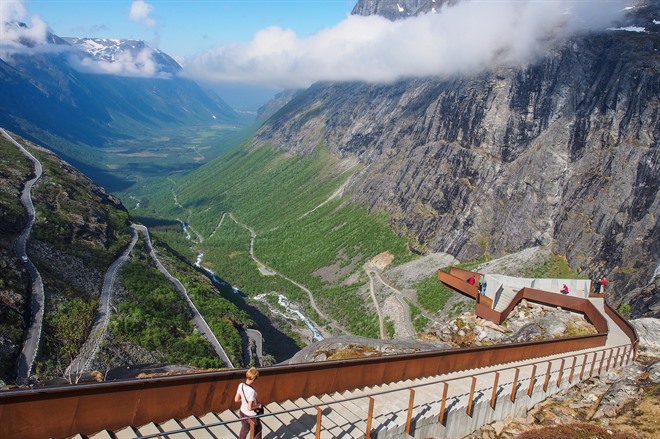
(263, 268)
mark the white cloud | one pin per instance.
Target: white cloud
(141, 64)
(140, 11)
(468, 37)
(15, 38)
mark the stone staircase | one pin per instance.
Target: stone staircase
(470, 403)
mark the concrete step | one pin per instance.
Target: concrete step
(126, 433)
(149, 428)
(508, 293)
(202, 433)
(227, 416)
(277, 428)
(357, 423)
(290, 421)
(172, 425)
(103, 434)
(331, 414)
(218, 431)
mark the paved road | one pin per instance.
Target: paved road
(406, 309)
(381, 322)
(200, 323)
(91, 346)
(37, 299)
(257, 338)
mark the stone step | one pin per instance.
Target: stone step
(277, 428)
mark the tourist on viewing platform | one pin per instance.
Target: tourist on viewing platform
(602, 285)
(564, 289)
(250, 405)
(471, 280)
(597, 284)
(483, 287)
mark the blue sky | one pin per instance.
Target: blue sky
(292, 44)
(182, 28)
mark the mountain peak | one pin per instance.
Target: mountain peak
(110, 49)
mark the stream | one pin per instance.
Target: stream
(291, 313)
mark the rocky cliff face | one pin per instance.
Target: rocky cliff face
(562, 152)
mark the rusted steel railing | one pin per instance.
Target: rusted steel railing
(87, 408)
(410, 410)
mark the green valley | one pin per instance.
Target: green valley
(303, 230)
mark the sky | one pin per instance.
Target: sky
(294, 43)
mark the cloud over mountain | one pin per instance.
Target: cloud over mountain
(468, 37)
(140, 12)
(16, 36)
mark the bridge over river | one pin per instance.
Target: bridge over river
(447, 393)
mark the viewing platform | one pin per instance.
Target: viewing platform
(448, 393)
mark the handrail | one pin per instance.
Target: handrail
(385, 392)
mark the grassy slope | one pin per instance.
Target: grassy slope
(271, 191)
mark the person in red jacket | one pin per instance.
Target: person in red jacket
(602, 285)
(564, 289)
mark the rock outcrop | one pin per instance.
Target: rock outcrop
(561, 153)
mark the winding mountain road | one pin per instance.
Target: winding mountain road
(93, 342)
(37, 299)
(381, 320)
(200, 323)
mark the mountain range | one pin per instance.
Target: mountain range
(562, 152)
(559, 154)
(94, 101)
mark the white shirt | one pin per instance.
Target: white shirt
(247, 394)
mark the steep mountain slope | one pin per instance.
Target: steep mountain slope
(561, 153)
(89, 101)
(80, 230)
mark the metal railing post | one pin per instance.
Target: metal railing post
(561, 373)
(514, 386)
(584, 364)
(468, 410)
(593, 364)
(532, 378)
(319, 419)
(370, 415)
(493, 397)
(441, 416)
(609, 358)
(616, 357)
(602, 359)
(411, 402)
(547, 377)
(623, 356)
(570, 376)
